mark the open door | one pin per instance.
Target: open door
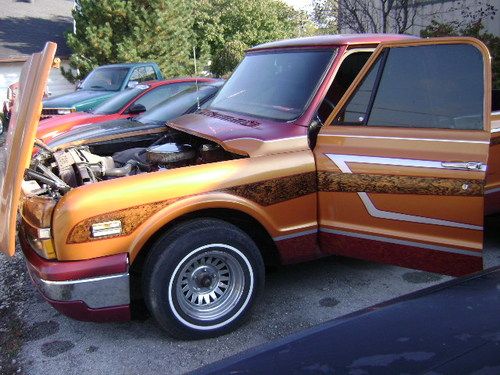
(402, 158)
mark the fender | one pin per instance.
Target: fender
(145, 203)
(189, 205)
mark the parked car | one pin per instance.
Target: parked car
(126, 104)
(8, 104)
(278, 168)
(112, 136)
(101, 84)
(450, 328)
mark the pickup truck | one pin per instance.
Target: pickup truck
(100, 85)
(368, 146)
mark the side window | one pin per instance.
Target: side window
(357, 108)
(149, 73)
(430, 86)
(142, 74)
(161, 93)
(136, 75)
(346, 73)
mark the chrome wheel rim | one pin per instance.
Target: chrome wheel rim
(209, 285)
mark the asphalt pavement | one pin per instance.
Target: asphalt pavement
(36, 339)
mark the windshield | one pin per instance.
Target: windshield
(275, 85)
(178, 104)
(117, 102)
(106, 79)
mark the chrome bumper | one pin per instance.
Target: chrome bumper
(97, 292)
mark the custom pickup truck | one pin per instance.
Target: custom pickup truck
(378, 147)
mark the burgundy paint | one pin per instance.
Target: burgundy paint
(80, 311)
(73, 270)
(332, 40)
(217, 128)
(401, 255)
(299, 249)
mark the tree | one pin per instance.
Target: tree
(113, 31)
(474, 29)
(228, 57)
(470, 23)
(224, 28)
(165, 31)
(325, 16)
(377, 16)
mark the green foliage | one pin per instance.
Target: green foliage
(325, 15)
(112, 31)
(224, 25)
(165, 31)
(228, 57)
(474, 29)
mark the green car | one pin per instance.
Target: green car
(100, 85)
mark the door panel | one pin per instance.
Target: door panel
(401, 164)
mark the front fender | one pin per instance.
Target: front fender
(277, 190)
(193, 204)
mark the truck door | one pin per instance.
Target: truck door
(402, 158)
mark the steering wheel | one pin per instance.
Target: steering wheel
(329, 103)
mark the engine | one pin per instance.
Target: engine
(57, 171)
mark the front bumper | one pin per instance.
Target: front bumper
(90, 290)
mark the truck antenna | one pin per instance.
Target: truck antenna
(196, 78)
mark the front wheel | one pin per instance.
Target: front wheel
(202, 277)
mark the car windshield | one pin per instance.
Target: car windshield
(274, 85)
(117, 102)
(178, 104)
(105, 79)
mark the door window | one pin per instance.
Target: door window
(345, 75)
(430, 86)
(143, 73)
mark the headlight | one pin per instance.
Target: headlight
(36, 213)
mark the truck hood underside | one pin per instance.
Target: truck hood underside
(15, 156)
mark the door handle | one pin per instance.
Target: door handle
(463, 165)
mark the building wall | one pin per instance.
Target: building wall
(443, 11)
(9, 73)
(446, 11)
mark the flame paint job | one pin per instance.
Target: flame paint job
(276, 184)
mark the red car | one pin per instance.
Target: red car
(128, 103)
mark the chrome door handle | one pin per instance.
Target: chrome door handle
(463, 165)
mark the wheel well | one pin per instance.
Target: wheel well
(245, 222)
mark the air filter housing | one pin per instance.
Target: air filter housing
(171, 153)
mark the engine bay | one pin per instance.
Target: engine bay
(54, 172)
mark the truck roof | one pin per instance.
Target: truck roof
(330, 40)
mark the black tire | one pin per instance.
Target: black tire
(202, 258)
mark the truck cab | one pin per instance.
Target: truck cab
(369, 146)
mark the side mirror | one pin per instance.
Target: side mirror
(132, 84)
(136, 108)
(313, 131)
(78, 85)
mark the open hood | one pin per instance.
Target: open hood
(15, 155)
